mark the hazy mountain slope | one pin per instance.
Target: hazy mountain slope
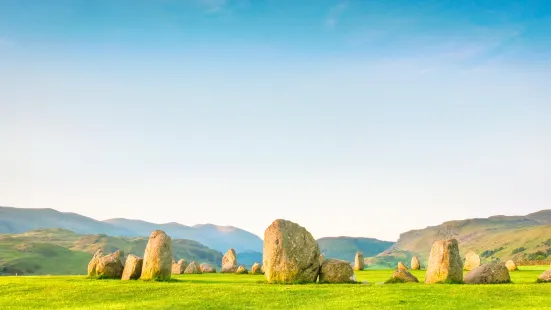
(496, 237)
(248, 258)
(346, 247)
(18, 220)
(59, 251)
(220, 238)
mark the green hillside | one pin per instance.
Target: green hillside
(221, 238)
(494, 238)
(59, 251)
(346, 247)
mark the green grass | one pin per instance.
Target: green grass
(228, 291)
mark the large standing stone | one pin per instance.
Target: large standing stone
(492, 273)
(472, 261)
(415, 263)
(193, 268)
(511, 265)
(359, 263)
(132, 268)
(256, 269)
(229, 262)
(402, 276)
(445, 264)
(206, 268)
(401, 266)
(179, 267)
(92, 265)
(545, 276)
(291, 254)
(157, 261)
(336, 271)
(242, 270)
(110, 266)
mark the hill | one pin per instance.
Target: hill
(60, 251)
(346, 247)
(221, 238)
(494, 238)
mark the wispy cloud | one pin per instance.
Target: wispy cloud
(335, 14)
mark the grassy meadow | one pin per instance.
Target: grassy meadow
(228, 291)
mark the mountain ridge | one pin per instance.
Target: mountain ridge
(221, 238)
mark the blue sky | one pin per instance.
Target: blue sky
(361, 118)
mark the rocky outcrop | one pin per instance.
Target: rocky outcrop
(472, 261)
(511, 266)
(545, 276)
(132, 268)
(445, 264)
(291, 254)
(359, 263)
(401, 266)
(110, 266)
(179, 267)
(193, 268)
(402, 276)
(256, 269)
(415, 263)
(92, 265)
(336, 271)
(229, 262)
(242, 270)
(492, 273)
(206, 268)
(157, 261)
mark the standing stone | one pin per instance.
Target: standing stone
(492, 273)
(92, 265)
(193, 268)
(511, 265)
(359, 263)
(110, 266)
(336, 271)
(229, 262)
(445, 264)
(242, 270)
(132, 268)
(206, 268)
(472, 261)
(291, 254)
(179, 267)
(401, 266)
(256, 269)
(157, 261)
(402, 276)
(545, 276)
(415, 263)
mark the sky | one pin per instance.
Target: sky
(352, 118)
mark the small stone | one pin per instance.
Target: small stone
(241, 270)
(192, 268)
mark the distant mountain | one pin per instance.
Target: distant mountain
(221, 238)
(248, 258)
(60, 251)
(494, 238)
(18, 220)
(345, 248)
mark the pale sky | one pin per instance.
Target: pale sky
(355, 118)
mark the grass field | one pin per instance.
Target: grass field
(223, 291)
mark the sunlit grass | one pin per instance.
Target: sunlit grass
(226, 291)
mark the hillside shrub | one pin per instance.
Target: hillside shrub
(518, 250)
